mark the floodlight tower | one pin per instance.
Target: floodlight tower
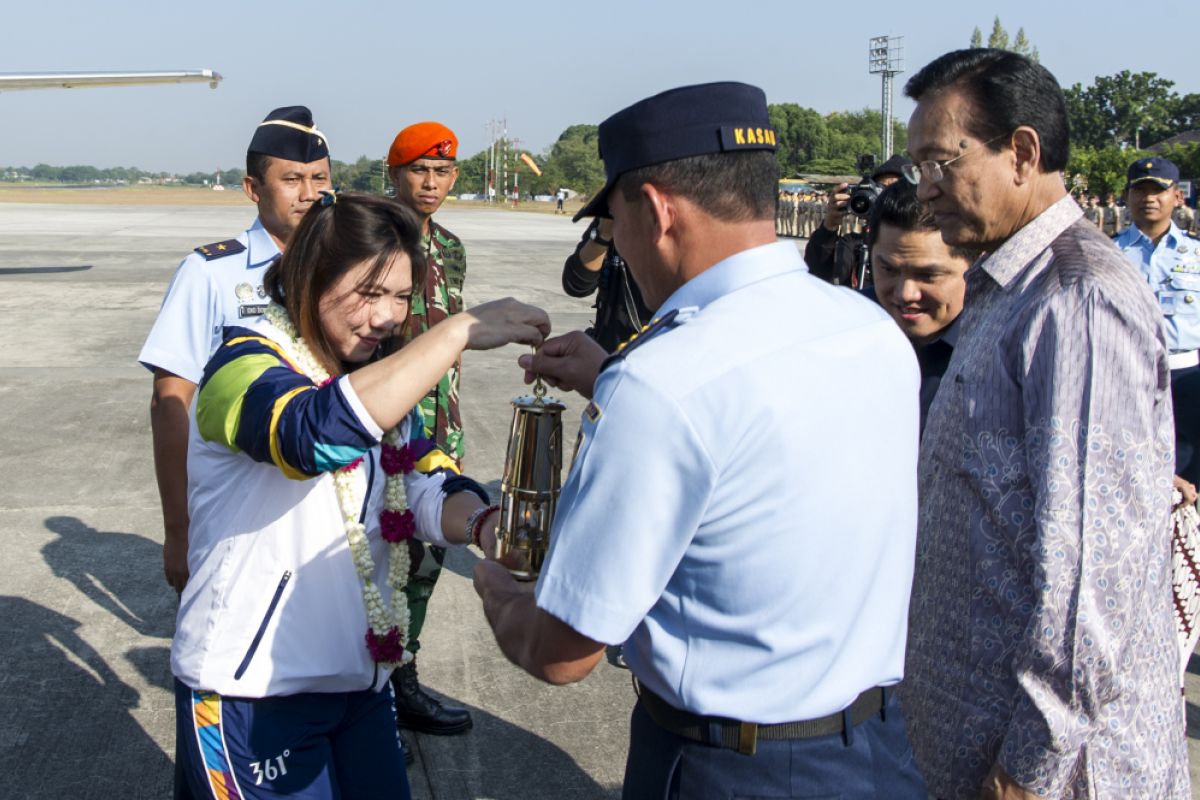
(504, 157)
(493, 152)
(516, 190)
(885, 57)
(487, 160)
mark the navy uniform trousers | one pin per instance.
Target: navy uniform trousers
(1185, 398)
(871, 760)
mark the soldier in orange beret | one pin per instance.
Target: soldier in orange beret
(421, 166)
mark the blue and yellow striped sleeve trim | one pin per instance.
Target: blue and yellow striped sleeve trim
(252, 399)
(434, 459)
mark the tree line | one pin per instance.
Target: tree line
(808, 143)
(1114, 118)
(85, 174)
(999, 39)
(1111, 121)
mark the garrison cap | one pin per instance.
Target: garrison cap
(423, 140)
(289, 133)
(1159, 170)
(893, 166)
(679, 123)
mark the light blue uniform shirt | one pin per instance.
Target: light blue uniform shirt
(742, 503)
(1173, 271)
(204, 296)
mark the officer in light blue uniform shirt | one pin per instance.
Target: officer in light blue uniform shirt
(220, 284)
(713, 520)
(1170, 260)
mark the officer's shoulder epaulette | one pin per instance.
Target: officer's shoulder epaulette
(671, 319)
(220, 249)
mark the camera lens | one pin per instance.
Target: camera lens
(862, 198)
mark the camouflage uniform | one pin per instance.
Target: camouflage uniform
(443, 421)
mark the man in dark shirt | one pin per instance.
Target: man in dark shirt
(831, 257)
(919, 280)
(595, 266)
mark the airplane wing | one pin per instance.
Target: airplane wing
(18, 81)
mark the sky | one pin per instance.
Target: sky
(368, 68)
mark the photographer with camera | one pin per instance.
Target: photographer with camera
(841, 260)
(595, 266)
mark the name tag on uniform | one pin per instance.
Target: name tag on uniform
(1167, 301)
(251, 310)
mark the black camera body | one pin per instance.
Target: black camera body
(866, 192)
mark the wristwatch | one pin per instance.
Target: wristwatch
(594, 235)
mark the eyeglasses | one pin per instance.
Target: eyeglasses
(934, 171)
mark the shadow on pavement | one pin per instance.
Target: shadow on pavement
(154, 665)
(41, 270)
(66, 730)
(120, 572)
(461, 561)
(500, 761)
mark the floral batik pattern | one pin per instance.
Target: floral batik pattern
(1041, 632)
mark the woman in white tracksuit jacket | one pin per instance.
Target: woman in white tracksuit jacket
(304, 485)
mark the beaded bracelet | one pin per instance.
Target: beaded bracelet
(475, 523)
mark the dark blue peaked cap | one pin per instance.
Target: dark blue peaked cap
(1156, 169)
(289, 133)
(689, 121)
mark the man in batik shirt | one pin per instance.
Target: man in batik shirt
(1042, 660)
(422, 168)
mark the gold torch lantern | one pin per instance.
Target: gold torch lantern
(531, 482)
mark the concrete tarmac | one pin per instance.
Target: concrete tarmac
(85, 679)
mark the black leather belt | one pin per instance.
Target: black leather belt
(744, 736)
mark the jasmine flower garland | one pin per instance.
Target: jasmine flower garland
(387, 628)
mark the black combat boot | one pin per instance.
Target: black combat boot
(421, 712)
